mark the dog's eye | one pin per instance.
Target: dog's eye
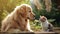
(29, 11)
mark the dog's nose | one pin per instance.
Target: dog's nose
(28, 18)
(34, 15)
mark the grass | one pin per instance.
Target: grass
(35, 25)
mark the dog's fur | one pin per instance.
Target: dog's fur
(46, 26)
(19, 19)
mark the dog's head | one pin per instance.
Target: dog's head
(26, 11)
(43, 18)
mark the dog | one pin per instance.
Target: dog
(46, 26)
(18, 19)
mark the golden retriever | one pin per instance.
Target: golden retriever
(19, 19)
(46, 26)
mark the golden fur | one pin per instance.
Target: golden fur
(19, 19)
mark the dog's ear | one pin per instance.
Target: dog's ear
(22, 11)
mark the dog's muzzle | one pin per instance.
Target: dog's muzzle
(31, 19)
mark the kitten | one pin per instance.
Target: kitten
(46, 26)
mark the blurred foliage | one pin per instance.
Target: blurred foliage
(54, 14)
(7, 6)
(35, 25)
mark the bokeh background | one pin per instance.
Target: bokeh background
(52, 13)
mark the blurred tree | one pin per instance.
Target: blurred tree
(46, 6)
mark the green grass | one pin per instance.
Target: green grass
(35, 25)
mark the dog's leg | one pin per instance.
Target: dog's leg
(3, 28)
(7, 28)
(28, 27)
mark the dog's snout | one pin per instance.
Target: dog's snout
(34, 15)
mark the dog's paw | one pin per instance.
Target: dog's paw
(31, 30)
